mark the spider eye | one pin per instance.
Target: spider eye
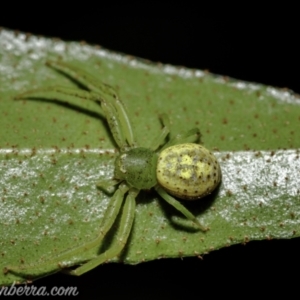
(188, 171)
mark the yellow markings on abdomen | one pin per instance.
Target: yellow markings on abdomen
(188, 171)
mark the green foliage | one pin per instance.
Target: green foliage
(52, 155)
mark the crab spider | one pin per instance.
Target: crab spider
(177, 168)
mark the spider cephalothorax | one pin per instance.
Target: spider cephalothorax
(137, 167)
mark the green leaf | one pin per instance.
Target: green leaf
(53, 153)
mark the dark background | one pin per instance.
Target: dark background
(259, 48)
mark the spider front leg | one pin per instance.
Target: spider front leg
(120, 239)
(107, 222)
(113, 108)
(68, 94)
(116, 110)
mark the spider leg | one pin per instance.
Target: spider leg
(108, 185)
(120, 240)
(108, 220)
(67, 94)
(159, 140)
(104, 90)
(191, 136)
(177, 205)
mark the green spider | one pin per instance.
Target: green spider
(180, 168)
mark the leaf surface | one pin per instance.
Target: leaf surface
(53, 153)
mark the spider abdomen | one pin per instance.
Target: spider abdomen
(137, 167)
(188, 171)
